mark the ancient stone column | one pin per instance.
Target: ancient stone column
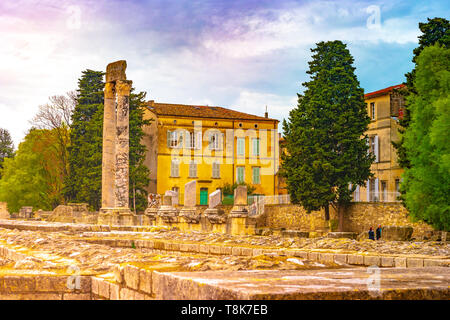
(115, 162)
(122, 132)
(109, 138)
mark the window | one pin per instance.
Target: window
(216, 170)
(240, 174)
(256, 178)
(397, 188)
(374, 146)
(193, 140)
(174, 139)
(192, 169)
(214, 142)
(240, 146)
(255, 147)
(175, 169)
(372, 110)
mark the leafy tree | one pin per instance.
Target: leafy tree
(427, 180)
(326, 157)
(85, 152)
(6, 147)
(435, 31)
(34, 177)
(228, 189)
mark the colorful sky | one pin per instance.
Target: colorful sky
(238, 54)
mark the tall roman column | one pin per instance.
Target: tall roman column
(108, 156)
(122, 133)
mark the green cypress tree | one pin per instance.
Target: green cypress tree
(83, 184)
(85, 152)
(427, 180)
(435, 31)
(326, 156)
(6, 147)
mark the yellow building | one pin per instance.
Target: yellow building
(212, 145)
(384, 107)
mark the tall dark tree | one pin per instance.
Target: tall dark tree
(427, 180)
(6, 147)
(85, 152)
(83, 184)
(327, 155)
(435, 31)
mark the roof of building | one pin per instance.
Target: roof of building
(183, 110)
(383, 91)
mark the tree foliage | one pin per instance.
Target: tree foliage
(6, 147)
(326, 156)
(435, 31)
(85, 152)
(427, 180)
(34, 177)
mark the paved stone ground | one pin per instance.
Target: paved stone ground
(232, 267)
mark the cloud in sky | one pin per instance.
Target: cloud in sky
(238, 54)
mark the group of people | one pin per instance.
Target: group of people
(377, 233)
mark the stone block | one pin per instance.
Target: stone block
(126, 294)
(236, 251)
(313, 256)
(215, 198)
(204, 248)
(131, 276)
(387, 262)
(436, 263)
(246, 251)
(257, 252)
(76, 296)
(114, 291)
(184, 247)
(372, 260)
(148, 244)
(226, 250)
(190, 192)
(326, 257)
(139, 296)
(95, 285)
(299, 253)
(342, 235)
(116, 71)
(12, 284)
(414, 263)
(145, 281)
(355, 259)
(240, 196)
(340, 258)
(396, 233)
(103, 289)
(400, 262)
(52, 284)
(213, 249)
(194, 247)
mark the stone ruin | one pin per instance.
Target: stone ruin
(115, 163)
(189, 213)
(4, 213)
(73, 213)
(214, 214)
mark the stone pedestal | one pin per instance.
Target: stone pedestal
(150, 216)
(116, 216)
(167, 214)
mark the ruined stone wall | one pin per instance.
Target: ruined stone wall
(4, 214)
(358, 217)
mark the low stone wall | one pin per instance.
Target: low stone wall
(358, 217)
(4, 214)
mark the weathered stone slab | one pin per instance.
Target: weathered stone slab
(396, 233)
(339, 235)
(215, 198)
(240, 196)
(190, 194)
(295, 234)
(346, 283)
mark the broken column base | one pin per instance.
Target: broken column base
(239, 222)
(116, 216)
(167, 215)
(150, 216)
(189, 219)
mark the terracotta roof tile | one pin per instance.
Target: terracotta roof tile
(383, 91)
(182, 110)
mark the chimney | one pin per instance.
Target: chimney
(266, 114)
(151, 103)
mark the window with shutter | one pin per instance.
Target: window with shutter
(192, 169)
(240, 146)
(256, 175)
(240, 174)
(175, 169)
(216, 170)
(255, 147)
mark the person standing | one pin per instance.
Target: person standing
(371, 234)
(378, 232)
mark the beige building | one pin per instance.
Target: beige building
(385, 107)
